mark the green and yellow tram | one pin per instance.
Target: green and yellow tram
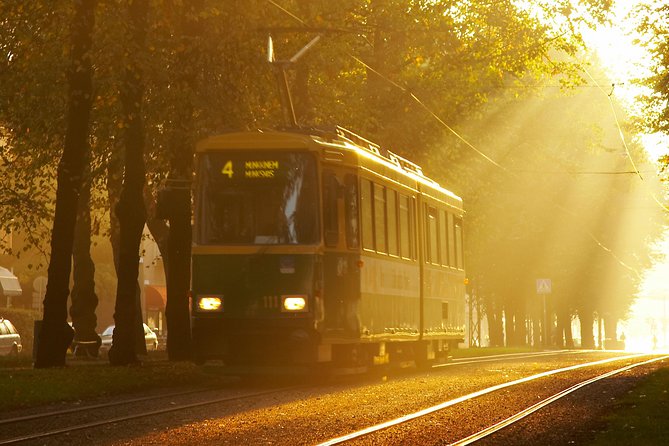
(320, 249)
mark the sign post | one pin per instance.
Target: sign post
(544, 286)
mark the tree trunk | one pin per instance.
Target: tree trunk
(495, 328)
(56, 335)
(114, 189)
(586, 318)
(178, 279)
(157, 227)
(564, 319)
(561, 329)
(564, 329)
(515, 325)
(509, 326)
(84, 300)
(610, 332)
(537, 324)
(568, 336)
(181, 170)
(130, 209)
(521, 327)
(550, 325)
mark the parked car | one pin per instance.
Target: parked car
(149, 337)
(10, 340)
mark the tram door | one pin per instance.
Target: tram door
(341, 273)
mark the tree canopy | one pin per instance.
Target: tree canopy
(486, 95)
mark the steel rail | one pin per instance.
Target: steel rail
(535, 407)
(457, 361)
(470, 396)
(56, 413)
(492, 358)
(173, 408)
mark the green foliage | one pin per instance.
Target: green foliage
(453, 55)
(384, 68)
(653, 26)
(32, 110)
(457, 54)
(565, 205)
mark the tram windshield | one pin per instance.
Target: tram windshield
(260, 198)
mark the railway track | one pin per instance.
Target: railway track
(551, 399)
(489, 430)
(65, 421)
(68, 427)
(73, 424)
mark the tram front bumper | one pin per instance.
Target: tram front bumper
(251, 342)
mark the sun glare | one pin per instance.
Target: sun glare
(646, 328)
(624, 61)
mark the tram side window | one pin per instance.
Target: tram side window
(380, 218)
(391, 207)
(459, 251)
(367, 214)
(432, 223)
(405, 227)
(330, 214)
(443, 237)
(451, 241)
(351, 210)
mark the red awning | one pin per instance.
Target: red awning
(155, 297)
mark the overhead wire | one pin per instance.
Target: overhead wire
(405, 90)
(471, 146)
(569, 172)
(609, 97)
(430, 112)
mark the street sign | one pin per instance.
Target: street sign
(544, 286)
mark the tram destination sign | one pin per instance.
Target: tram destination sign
(287, 168)
(251, 168)
(260, 168)
(544, 286)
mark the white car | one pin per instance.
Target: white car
(10, 340)
(149, 337)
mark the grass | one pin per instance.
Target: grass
(642, 416)
(22, 360)
(26, 387)
(488, 351)
(23, 386)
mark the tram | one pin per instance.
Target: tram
(321, 248)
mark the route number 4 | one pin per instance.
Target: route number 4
(227, 169)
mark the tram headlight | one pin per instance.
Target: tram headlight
(210, 303)
(294, 303)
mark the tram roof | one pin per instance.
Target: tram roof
(340, 138)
